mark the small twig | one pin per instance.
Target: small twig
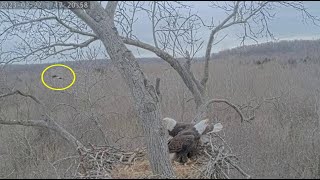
(47, 122)
(63, 159)
(239, 169)
(158, 86)
(7, 176)
(55, 169)
(22, 94)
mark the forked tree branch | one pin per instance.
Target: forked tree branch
(111, 9)
(236, 20)
(71, 29)
(186, 76)
(83, 15)
(71, 46)
(48, 122)
(210, 43)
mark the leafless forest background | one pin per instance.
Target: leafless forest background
(282, 142)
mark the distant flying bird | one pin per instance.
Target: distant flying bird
(55, 76)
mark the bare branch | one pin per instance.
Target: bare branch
(217, 159)
(185, 75)
(7, 176)
(238, 18)
(39, 123)
(204, 107)
(238, 168)
(48, 18)
(298, 5)
(75, 30)
(27, 22)
(71, 45)
(111, 8)
(84, 16)
(162, 54)
(41, 34)
(158, 86)
(188, 62)
(22, 94)
(153, 24)
(210, 42)
(47, 123)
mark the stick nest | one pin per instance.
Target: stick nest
(214, 160)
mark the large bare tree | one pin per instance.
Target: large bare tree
(44, 33)
(176, 34)
(101, 21)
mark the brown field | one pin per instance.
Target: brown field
(282, 142)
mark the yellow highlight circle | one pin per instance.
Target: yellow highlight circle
(58, 89)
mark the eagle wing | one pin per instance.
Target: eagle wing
(180, 127)
(180, 143)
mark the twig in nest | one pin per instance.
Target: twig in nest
(217, 161)
(98, 162)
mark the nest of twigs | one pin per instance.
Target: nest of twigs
(214, 160)
(97, 162)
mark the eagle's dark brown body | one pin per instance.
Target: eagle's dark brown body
(184, 144)
(179, 127)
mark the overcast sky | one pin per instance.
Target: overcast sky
(287, 25)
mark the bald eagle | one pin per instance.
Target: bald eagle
(55, 76)
(185, 143)
(175, 127)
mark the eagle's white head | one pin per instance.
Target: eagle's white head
(170, 123)
(201, 126)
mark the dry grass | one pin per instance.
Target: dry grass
(141, 169)
(282, 142)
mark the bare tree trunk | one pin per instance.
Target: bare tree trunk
(146, 104)
(145, 97)
(185, 73)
